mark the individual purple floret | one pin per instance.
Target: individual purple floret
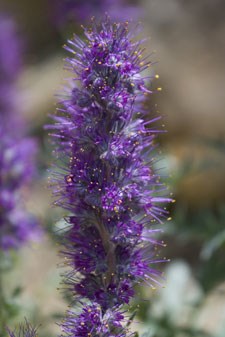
(106, 179)
(83, 10)
(25, 330)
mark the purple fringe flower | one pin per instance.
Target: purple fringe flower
(92, 322)
(106, 178)
(17, 164)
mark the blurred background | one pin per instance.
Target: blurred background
(187, 38)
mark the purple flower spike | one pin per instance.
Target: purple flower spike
(106, 178)
(17, 154)
(17, 167)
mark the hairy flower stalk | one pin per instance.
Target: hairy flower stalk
(106, 179)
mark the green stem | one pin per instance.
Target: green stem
(3, 313)
(110, 251)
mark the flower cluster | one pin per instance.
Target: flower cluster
(92, 322)
(17, 151)
(106, 179)
(16, 169)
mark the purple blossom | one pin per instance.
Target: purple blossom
(106, 179)
(112, 200)
(16, 170)
(93, 322)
